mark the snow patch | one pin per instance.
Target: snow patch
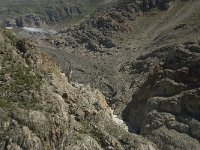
(36, 30)
(39, 30)
(9, 28)
(120, 122)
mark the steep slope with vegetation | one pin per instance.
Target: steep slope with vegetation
(40, 109)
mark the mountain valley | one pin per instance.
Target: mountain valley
(121, 75)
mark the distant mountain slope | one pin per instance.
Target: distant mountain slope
(41, 12)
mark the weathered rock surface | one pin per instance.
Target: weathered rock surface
(166, 106)
(152, 4)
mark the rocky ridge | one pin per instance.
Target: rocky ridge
(98, 33)
(166, 105)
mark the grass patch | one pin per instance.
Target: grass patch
(5, 104)
(82, 131)
(8, 35)
(18, 84)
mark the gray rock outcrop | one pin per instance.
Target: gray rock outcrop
(166, 106)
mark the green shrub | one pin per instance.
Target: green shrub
(9, 35)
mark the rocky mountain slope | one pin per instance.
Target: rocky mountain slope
(142, 55)
(165, 107)
(40, 109)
